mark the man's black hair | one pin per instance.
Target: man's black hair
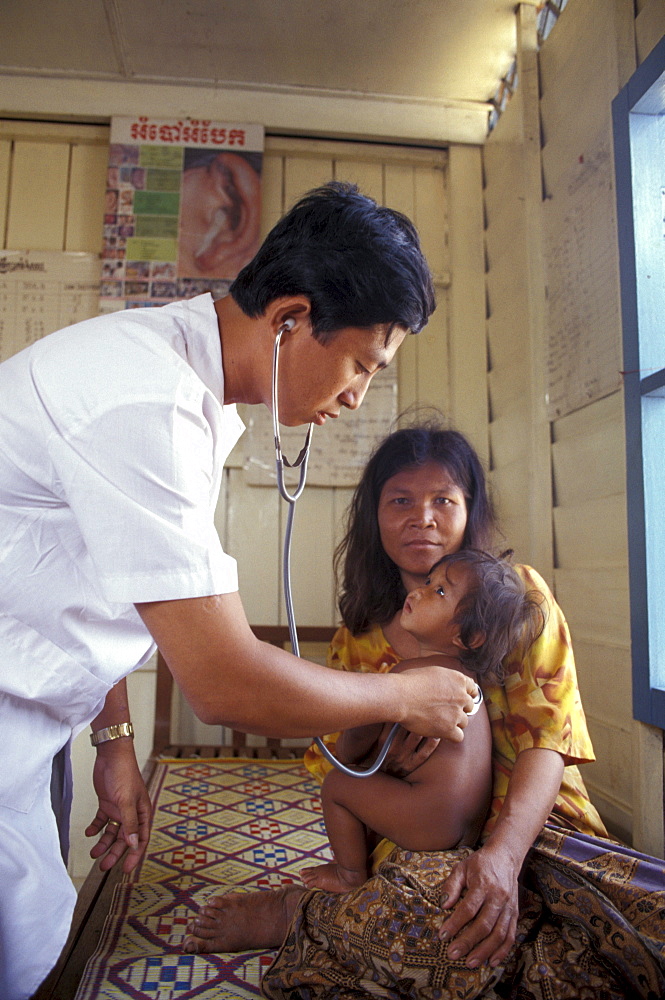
(358, 263)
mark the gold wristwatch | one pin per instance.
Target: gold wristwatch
(111, 733)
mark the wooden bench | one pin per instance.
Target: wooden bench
(94, 898)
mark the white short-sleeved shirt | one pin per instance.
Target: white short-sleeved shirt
(113, 437)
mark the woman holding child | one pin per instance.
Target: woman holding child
(444, 924)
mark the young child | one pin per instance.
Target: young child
(472, 610)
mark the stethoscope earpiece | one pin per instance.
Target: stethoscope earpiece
(287, 325)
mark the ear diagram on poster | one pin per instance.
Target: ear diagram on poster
(182, 209)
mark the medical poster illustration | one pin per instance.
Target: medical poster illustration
(182, 209)
(42, 291)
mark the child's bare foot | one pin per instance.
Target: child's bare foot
(242, 921)
(332, 877)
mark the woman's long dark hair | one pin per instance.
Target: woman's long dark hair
(371, 590)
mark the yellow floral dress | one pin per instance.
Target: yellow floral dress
(537, 705)
(591, 911)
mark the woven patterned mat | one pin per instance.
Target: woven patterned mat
(218, 825)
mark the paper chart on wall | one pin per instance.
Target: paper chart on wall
(584, 332)
(340, 448)
(43, 291)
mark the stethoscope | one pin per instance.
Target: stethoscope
(301, 463)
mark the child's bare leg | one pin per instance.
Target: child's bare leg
(347, 837)
(410, 813)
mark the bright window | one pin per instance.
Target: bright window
(639, 143)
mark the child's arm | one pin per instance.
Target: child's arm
(354, 745)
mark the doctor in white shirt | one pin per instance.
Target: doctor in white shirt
(113, 436)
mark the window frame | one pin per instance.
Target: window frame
(638, 113)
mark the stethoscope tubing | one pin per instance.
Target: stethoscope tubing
(291, 498)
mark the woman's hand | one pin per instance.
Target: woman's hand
(482, 927)
(124, 811)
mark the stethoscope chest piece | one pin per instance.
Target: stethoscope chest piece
(477, 702)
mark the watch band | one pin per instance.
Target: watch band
(111, 733)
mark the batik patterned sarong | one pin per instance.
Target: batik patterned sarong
(592, 927)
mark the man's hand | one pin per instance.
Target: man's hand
(124, 811)
(230, 678)
(439, 699)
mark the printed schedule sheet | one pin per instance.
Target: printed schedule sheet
(43, 291)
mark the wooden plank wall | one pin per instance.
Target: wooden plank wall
(595, 45)
(572, 470)
(467, 345)
(52, 180)
(518, 431)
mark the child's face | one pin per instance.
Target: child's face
(429, 610)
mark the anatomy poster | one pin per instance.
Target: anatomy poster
(182, 210)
